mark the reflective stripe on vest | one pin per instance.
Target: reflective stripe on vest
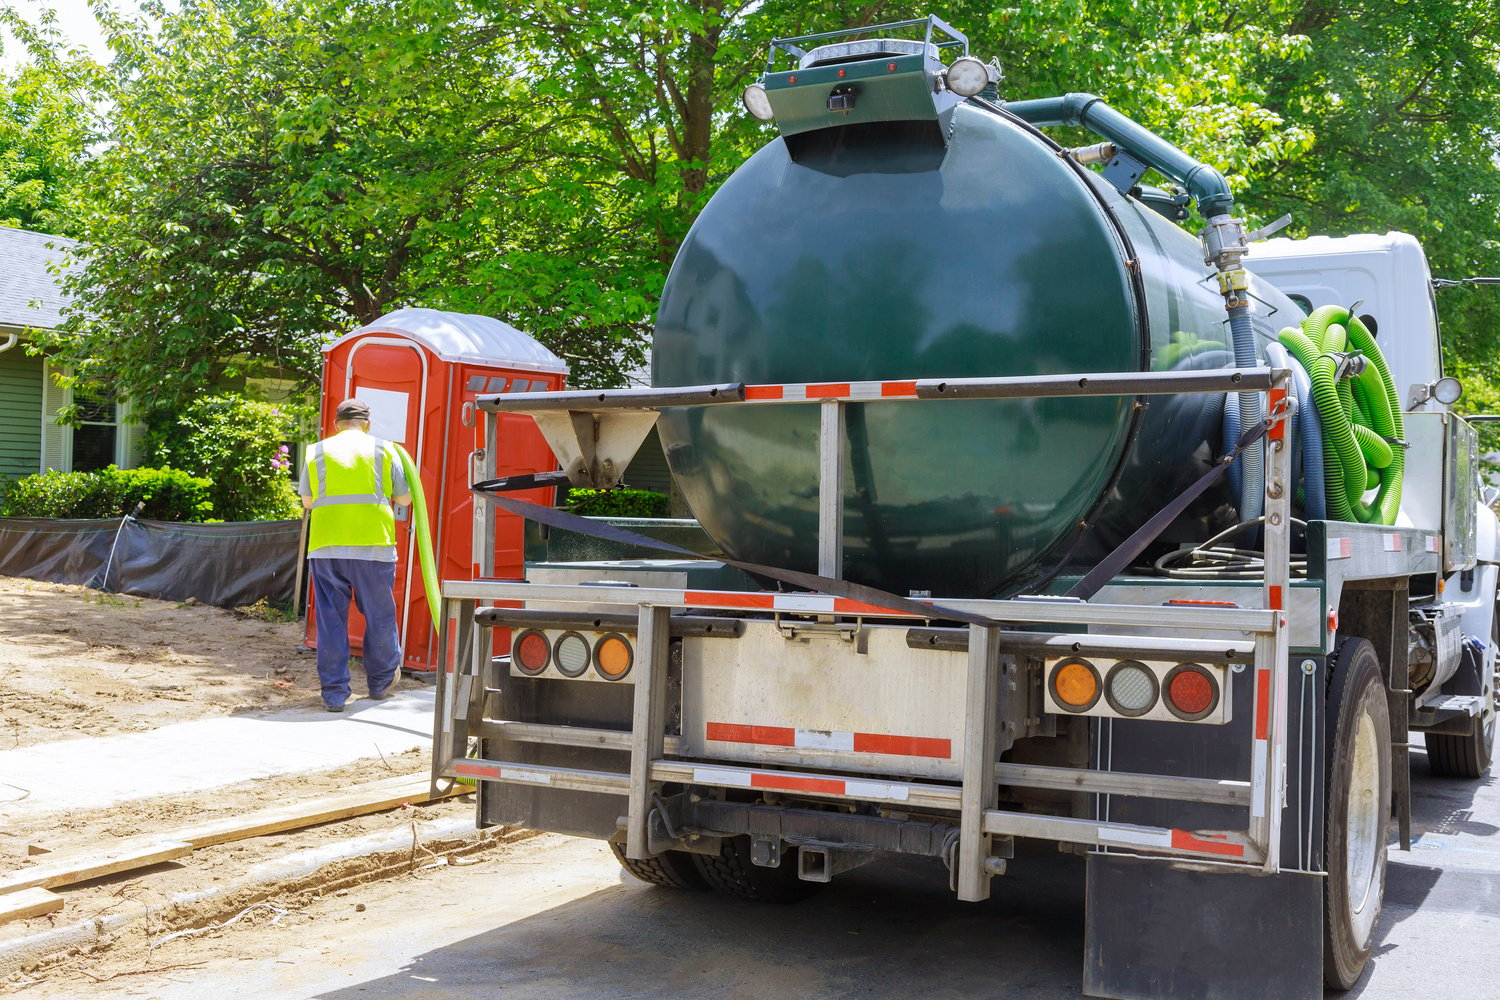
(351, 481)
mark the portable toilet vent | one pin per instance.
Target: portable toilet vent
(419, 370)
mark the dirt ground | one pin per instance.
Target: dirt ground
(77, 663)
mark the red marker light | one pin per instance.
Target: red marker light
(841, 72)
(791, 79)
(891, 67)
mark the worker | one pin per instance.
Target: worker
(347, 485)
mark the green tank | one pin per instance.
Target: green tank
(962, 243)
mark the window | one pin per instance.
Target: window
(103, 435)
(96, 433)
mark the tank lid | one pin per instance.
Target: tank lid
(867, 48)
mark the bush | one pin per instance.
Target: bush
(169, 495)
(618, 503)
(239, 445)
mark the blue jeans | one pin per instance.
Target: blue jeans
(371, 584)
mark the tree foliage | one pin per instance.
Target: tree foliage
(279, 170)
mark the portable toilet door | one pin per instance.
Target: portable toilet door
(416, 369)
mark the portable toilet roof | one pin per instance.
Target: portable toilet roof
(463, 337)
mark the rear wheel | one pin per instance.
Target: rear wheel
(1358, 813)
(674, 869)
(1468, 755)
(732, 872)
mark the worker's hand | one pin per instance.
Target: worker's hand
(307, 503)
(404, 500)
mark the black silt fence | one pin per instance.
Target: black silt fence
(229, 564)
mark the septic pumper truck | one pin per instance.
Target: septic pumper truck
(1040, 519)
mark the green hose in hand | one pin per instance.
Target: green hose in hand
(1362, 425)
(423, 528)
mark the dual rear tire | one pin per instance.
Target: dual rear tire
(730, 871)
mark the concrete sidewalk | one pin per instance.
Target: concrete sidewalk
(209, 753)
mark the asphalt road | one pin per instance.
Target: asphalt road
(556, 919)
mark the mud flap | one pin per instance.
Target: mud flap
(1159, 931)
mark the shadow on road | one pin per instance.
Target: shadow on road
(888, 930)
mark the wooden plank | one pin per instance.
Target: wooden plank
(72, 866)
(67, 868)
(375, 796)
(27, 903)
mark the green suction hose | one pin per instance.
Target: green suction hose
(423, 528)
(1361, 415)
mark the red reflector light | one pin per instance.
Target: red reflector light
(841, 73)
(532, 651)
(890, 67)
(1192, 692)
(791, 79)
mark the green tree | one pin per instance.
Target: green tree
(44, 138)
(279, 171)
(242, 447)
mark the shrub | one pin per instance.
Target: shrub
(169, 495)
(618, 503)
(239, 445)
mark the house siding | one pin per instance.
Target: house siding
(21, 404)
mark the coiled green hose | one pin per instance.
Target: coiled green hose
(1362, 426)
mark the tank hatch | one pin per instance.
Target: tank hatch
(845, 79)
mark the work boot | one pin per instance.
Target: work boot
(329, 706)
(387, 692)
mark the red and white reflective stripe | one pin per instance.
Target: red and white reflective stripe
(1340, 548)
(804, 391)
(1433, 545)
(777, 781)
(1277, 400)
(824, 739)
(820, 604)
(1392, 542)
(1260, 752)
(1222, 844)
(494, 772)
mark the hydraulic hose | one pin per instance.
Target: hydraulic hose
(1307, 430)
(1360, 413)
(423, 528)
(1251, 412)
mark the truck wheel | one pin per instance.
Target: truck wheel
(674, 869)
(733, 873)
(1467, 755)
(1359, 810)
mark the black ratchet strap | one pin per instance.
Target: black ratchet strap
(1131, 548)
(565, 521)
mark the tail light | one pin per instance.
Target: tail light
(531, 652)
(613, 657)
(1192, 692)
(1075, 684)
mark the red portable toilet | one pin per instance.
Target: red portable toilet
(417, 369)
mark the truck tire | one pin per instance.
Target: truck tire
(1467, 755)
(1358, 810)
(733, 873)
(673, 869)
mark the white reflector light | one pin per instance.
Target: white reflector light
(757, 103)
(1131, 688)
(967, 76)
(571, 654)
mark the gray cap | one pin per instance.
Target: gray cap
(352, 409)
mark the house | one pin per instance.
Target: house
(31, 440)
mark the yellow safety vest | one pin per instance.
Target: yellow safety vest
(349, 476)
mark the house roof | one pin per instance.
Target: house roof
(464, 337)
(30, 295)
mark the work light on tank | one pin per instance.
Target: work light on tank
(967, 76)
(757, 103)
